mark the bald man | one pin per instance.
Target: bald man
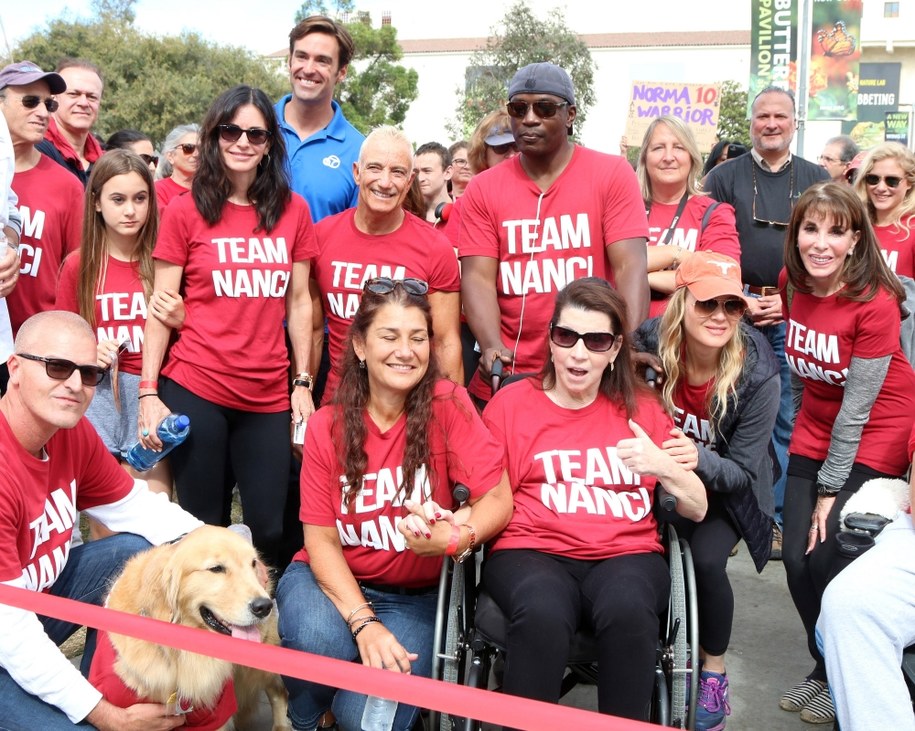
(53, 465)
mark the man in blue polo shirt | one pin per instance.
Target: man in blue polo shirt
(321, 146)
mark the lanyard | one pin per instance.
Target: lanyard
(673, 223)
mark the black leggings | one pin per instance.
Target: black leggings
(228, 445)
(547, 597)
(711, 542)
(809, 574)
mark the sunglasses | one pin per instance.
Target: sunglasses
(188, 148)
(892, 181)
(386, 285)
(595, 342)
(60, 369)
(734, 308)
(30, 102)
(542, 109)
(503, 149)
(255, 135)
(150, 159)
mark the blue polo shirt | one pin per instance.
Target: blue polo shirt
(321, 167)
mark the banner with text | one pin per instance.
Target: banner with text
(695, 104)
(878, 93)
(835, 55)
(897, 127)
(773, 46)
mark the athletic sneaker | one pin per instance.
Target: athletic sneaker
(713, 708)
(796, 699)
(820, 709)
(776, 554)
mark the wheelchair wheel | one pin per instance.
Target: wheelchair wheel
(660, 700)
(682, 651)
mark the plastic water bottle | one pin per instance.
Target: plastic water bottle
(173, 430)
(378, 714)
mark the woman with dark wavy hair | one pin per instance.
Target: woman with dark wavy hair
(379, 465)
(238, 248)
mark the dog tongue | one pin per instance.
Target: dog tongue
(251, 632)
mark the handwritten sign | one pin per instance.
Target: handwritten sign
(695, 104)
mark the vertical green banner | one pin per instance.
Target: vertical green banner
(773, 44)
(835, 55)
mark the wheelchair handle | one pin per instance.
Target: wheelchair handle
(497, 369)
(461, 493)
(651, 376)
(667, 501)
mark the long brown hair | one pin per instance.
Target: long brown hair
(94, 250)
(352, 398)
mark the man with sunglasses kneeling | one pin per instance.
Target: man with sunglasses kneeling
(53, 463)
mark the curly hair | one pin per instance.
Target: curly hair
(269, 193)
(903, 157)
(352, 397)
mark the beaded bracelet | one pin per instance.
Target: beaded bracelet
(365, 623)
(349, 619)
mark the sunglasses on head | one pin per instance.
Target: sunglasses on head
(733, 307)
(188, 148)
(149, 159)
(542, 109)
(386, 285)
(503, 149)
(60, 369)
(30, 102)
(892, 181)
(255, 135)
(595, 342)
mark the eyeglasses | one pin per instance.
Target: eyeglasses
(595, 342)
(149, 159)
(386, 285)
(460, 162)
(188, 148)
(30, 102)
(255, 135)
(791, 197)
(828, 160)
(503, 149)
(733, 308)
(892, 181)
(542, 109)
(60, 369)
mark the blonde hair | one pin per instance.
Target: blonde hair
(685, 137)
(476, 151)
(906, 160)
(671, 352)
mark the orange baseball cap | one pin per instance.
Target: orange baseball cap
(708, 275)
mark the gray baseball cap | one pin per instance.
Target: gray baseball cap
(542, 78)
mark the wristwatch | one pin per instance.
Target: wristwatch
(304, 379)
(824, 491)
(470, 546)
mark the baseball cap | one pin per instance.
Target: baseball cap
(853, 166)
(26, 72)
(542, 78)
(499, 134)
(708, 275)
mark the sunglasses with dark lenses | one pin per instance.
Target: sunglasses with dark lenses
(542, 109)
(503, 149)
(149, 159)
(60, 369)
(255, 135)
(188, 148)
(30, 102)
(595, 342)
(892, 181)
(734, 308)
(386, 285)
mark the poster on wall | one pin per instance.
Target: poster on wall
(695, 104)
(897, 127)
(773, 46)
(835, 55)
(877, 94)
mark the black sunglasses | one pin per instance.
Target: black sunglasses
(149, 159)
(503, 149)
(734, 308)
(30, 102)
(386, 285)
(255, 135)
(595, 342)
(60, 369)
(188, 148)
(542, 109)
(892, 181)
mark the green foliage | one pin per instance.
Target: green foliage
(519, 39)
(320, 7)
(152, 84)
(732, 114)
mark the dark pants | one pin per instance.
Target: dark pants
(546, 598)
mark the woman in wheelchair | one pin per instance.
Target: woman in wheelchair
(394, 440)
(720, 381)
(582, 546)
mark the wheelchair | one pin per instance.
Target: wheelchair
(469, 627)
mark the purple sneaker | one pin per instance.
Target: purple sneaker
(713, 708)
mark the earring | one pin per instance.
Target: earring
(611, 366)
(362, 364)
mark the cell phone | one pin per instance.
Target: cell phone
(298, 432)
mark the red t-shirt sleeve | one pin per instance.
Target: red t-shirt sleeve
(67, 283)
(477, 233)
(319, 501)
(877, 334)
(306, 243)
(721, 232)
(101, 480)
(172, 244)
(624, 210)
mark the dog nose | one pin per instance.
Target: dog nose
(261, 607)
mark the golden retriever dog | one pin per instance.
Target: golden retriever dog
(210, 579)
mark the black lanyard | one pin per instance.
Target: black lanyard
(673, 223)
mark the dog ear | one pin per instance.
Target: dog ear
(171, 580)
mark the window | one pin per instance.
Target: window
(890, 10)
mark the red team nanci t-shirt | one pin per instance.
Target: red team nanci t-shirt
(120, 306)
(823, 334)
(691, 412)
(543, 241)
(720, 234)
(462, 451)
(167, 190)
(347, 257)
(898, 247)
(573, 495)
(232, 350)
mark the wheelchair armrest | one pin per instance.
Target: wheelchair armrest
(869, 523)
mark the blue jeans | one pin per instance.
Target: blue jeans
(784, 420)
(309, 621)
(86, 578)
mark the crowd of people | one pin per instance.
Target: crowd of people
(270, 269)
